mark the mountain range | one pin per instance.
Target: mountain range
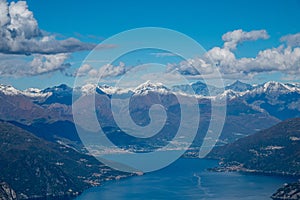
(249, 107)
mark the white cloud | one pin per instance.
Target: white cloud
(48, 63)
(83, 70)
(286, 60)
(233, 38)
(292, 40)
(105, 71)
(20, 33)
(4, 17)
(22, 22)
(21, 65)
(282, 59)
(112, 71)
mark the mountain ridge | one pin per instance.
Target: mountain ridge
(199, 88)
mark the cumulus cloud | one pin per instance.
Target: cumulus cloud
(20, 33)
(281, 59)
(83, 70)
(105, 71)
(108, 70)
(192, 67)
(286, 60)
(233, 38)
(112, 71)
(21, 65)
(47, 63)
(292, 40)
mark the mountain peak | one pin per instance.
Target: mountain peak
(9, 90)
(30, 92)
(239, 86)
(273, 86)
(144, 88)
(107, 89)
(88, 88)
(199, 83)
(59, 88)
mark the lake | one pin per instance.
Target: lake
(189, 179)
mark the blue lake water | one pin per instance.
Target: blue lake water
(189, 179)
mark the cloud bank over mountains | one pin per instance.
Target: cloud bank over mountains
(285, 58)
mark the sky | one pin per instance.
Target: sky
(45, 42)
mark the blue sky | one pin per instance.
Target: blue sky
(205, 21)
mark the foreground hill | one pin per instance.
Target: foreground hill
(33, 168)
(274, 150)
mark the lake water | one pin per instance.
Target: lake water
(189, 179)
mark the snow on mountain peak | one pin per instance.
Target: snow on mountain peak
(36, 93)
(230, 94)
(101, 89)
(107, 89)
(88, 89)
(9, 90)
(234, 90)
(30, 92)
(239, 86)
(144, 88)
(273, 86)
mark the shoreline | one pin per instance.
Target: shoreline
(238, 168)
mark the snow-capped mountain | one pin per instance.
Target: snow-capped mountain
(89, 89)
(248, 108)
(148, 86)
(269, 89)
(278, 99)
(237, 89)
(59, 94)
(228, 94)
(239, 86)
(30, 92)
(198, 88)
(273, 87)
(9, 90)
(86, 89)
